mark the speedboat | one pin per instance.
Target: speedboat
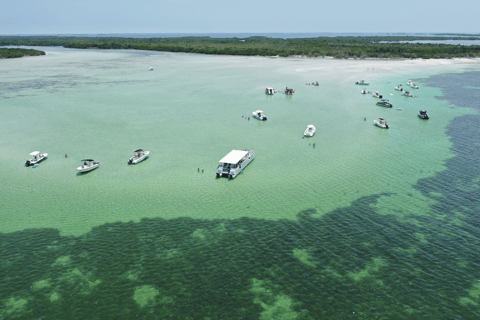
(151, 68)
(364, 91)
(234, 162)
(409, 82)
(381, 123)
(384, 103)
(399, 88)
(377, 95)
(362, 83)
(88, 165)
(269, 91)
(414, 86)
(37, 158)
(140, 155)
(423, 114)
(407, 94)
(259, 115)
(310, 131)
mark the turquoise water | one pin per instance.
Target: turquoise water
(348, 228)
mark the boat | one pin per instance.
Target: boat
(151, 68)
(289, 91)
(381, 123)
(377, 95)
(316, 84)
(140, 155)
(259, 115)
(407, 94)
(37, 158)
(384, 103)
(88, 165)
(414, 86)
(269, 91)
(234, 162)
(409, 82)
(423, 114)
(399, 88)
(364, 91)
(362, 83)
(310, 131)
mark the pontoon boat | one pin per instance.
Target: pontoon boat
(37, 157)
(409, 82)
(88, 165)
(423, 114)
(362, 83)
(259, 115)
(310, 131)
(384, 103)
(140, 155)
(269, 91)
(151, 68)
(234, 162)
(381, 123)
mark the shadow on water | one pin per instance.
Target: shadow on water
(350, 263)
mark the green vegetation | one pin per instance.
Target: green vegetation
(6, 53)
(337, 47)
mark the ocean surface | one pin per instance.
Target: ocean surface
(369, 224)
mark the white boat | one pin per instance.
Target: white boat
(234, 162)
(423, 114)
(88, 165)
(151, 68)
(381, 123)
(407, 94)
(384, 103)
(377, 95)
(409, 82)
(140, 155)
(364, 91)
(399, 88)
(37, 158)
(310, 131)
(259, 115)
(289, 91)
(414, 86)
(362, 83)
(269, 91)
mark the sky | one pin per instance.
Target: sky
(227, 16)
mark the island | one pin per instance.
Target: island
(8, 53)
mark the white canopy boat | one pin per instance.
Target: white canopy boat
(381, 123)
(407, 94)
(88, 165)
(259, 115)
(140, 155)
(310, 131)
(37, 158)
(399, 88)
(362, 83)
(269, 91)
(377, 95)
(409, 82)
(414, 86)
(234, 162)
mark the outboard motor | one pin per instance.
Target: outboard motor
(130, 161)
(264, 118)
(27, 163)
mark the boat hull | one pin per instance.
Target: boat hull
(135, 160)
(83, 169)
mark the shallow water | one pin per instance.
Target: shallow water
(370, 222)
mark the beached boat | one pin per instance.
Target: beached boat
(399, 88)
(384, 103)
(259, 115)
(289, 91)
(362, 83)
(381, 123)
(37, 158)
(270, 91)
(310, 131)
(88, 165)
(423, 114)
(140, 155)
(377, 95)
(407, 94)
(234, 162)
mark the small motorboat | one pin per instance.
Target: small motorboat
(381, 123)
(384, 103)
(414, 86)
(259, 115)
(423, 114)
(289, 91)
(316, 84)
(409, 82)
(364, 91)
(310, 131)
(88, 165)
(377, 95)
(269, 91)
(399, 88)
(140, 155)
(362, 83)
(407, 94)
(151, 68)
(37, 158)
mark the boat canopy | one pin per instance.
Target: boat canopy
(259, 111)
(89, 160)
(138, 150)
(234, 156)
(311, 126)
(34, 153)
(384, 99)
(268, 88)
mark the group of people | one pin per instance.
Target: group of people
(199, 170)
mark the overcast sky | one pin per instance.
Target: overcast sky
(215, 16)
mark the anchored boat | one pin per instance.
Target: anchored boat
(310, 131)
(384, 103)
(37, 158)
(140, 155)
(364, 91)
(399, 88)
(377, 95)
(362, 83)
(259, 115)
(269, 91)
(234, 162)
(423, 114)
(381, 123)
(88, 165)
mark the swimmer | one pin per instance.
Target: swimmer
(202, 170)
(364, 119)
(198, 170)
(314, 145)
(66, 156)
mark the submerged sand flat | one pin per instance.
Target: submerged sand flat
(188, 113)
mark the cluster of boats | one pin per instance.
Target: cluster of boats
(87, 164)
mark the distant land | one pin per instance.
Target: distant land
(8, 53)
(340, 47)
